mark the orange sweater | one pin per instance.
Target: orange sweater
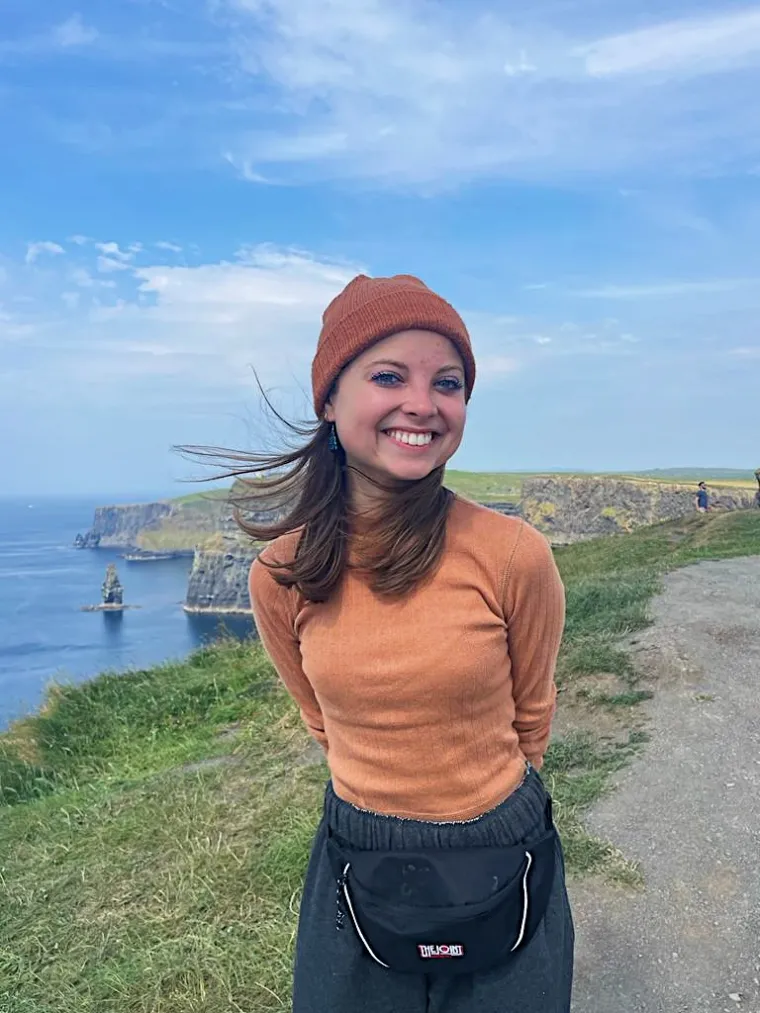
(428, 706)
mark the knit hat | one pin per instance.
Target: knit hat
(369, 309)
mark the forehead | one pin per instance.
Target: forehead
(413, 346)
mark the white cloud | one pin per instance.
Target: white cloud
(694, 45)
(207, 326)
(203, 327)
(410, 92)
(33, 250)
(82, 277)
(73, 32)
(262, 279)
(79, 240)
(108, 264)
(114, 250)
(747, 352)
(163, 244)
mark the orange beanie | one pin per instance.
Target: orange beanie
(369, 309)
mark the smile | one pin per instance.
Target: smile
(405, 438)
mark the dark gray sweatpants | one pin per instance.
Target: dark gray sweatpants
(333, 973)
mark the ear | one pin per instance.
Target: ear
(329, 415)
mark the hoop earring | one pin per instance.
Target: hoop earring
(332, 441)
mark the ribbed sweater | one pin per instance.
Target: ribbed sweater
(427, 706)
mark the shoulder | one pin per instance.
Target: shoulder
(510, 543)
(261, 581)
(282, 549)
(481, 525)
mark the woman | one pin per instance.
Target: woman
(418, 633)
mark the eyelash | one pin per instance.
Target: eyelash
(452, 383)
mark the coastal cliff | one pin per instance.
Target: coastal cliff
(121, 526)
(569, 510)
(218, 581)
(175, 526)
(204, 520)
(566, 509)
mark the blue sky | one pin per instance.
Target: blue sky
(186, 183)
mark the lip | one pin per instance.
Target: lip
(407, 429)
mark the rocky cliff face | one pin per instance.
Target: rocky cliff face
(219, 580)
(166, 526)
(120, 526)
(572, 509)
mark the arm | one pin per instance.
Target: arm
(534, 608)
(274, 613)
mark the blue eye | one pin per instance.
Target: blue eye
(450, 383)
(386, 379)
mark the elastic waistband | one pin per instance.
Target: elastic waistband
(518, 818)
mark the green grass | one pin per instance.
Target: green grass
(485, 486)
(720, 476)
(156, 825)
(203, 495)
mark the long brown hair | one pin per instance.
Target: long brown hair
(306, 489)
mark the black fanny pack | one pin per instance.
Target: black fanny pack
(444, 910)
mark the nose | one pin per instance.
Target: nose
(419, 401)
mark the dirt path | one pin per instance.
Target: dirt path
(689, 810)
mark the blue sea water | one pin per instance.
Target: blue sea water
(44, 582)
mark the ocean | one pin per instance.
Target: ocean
(44, 582)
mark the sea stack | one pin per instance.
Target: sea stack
(113, 592)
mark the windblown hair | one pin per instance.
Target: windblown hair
(306, 489)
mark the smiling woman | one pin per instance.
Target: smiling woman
(418, 633)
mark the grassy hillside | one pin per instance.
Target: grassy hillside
(485, 486)
(716, 475)
(202, 495)
(154, 827)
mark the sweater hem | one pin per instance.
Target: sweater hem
(469, 815)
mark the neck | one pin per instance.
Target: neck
(365, 497)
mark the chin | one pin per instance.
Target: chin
(412, 471)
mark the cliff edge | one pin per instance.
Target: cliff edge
(570, 509)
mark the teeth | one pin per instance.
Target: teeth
(413, 439)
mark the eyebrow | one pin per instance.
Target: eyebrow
(401, 365)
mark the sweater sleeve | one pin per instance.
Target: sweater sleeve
(275, 615)
(534, 608)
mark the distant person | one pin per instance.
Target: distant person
(418, 634)
(702, 498)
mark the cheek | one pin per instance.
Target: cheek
(456, 416)
(358, 417)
